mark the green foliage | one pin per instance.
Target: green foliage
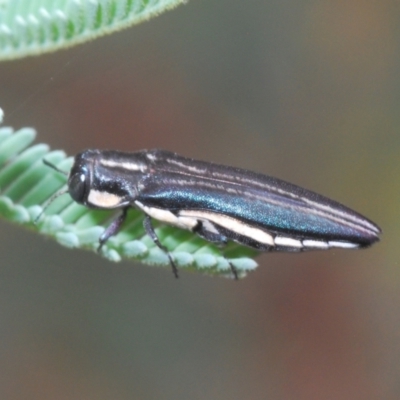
(26, 185)
(29, 27)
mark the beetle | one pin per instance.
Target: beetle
(219, 203)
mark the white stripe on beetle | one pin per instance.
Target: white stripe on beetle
(231, 224)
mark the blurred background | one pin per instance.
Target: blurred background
(306, 91)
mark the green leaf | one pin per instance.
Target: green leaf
(31, 27)
(27, 185)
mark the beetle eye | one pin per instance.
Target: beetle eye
(77, 187)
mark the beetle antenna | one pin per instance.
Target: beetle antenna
(48, 202)
(49, 164)
(55, 195)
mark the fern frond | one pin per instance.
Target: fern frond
(31, 27)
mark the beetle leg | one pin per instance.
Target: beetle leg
(233, 270)
(208, 231)
(150, 231)
(112, 229)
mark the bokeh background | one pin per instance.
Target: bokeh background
(307, 91)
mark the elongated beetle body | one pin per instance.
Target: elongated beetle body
(218, 203)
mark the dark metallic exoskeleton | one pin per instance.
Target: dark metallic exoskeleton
(219, 203)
